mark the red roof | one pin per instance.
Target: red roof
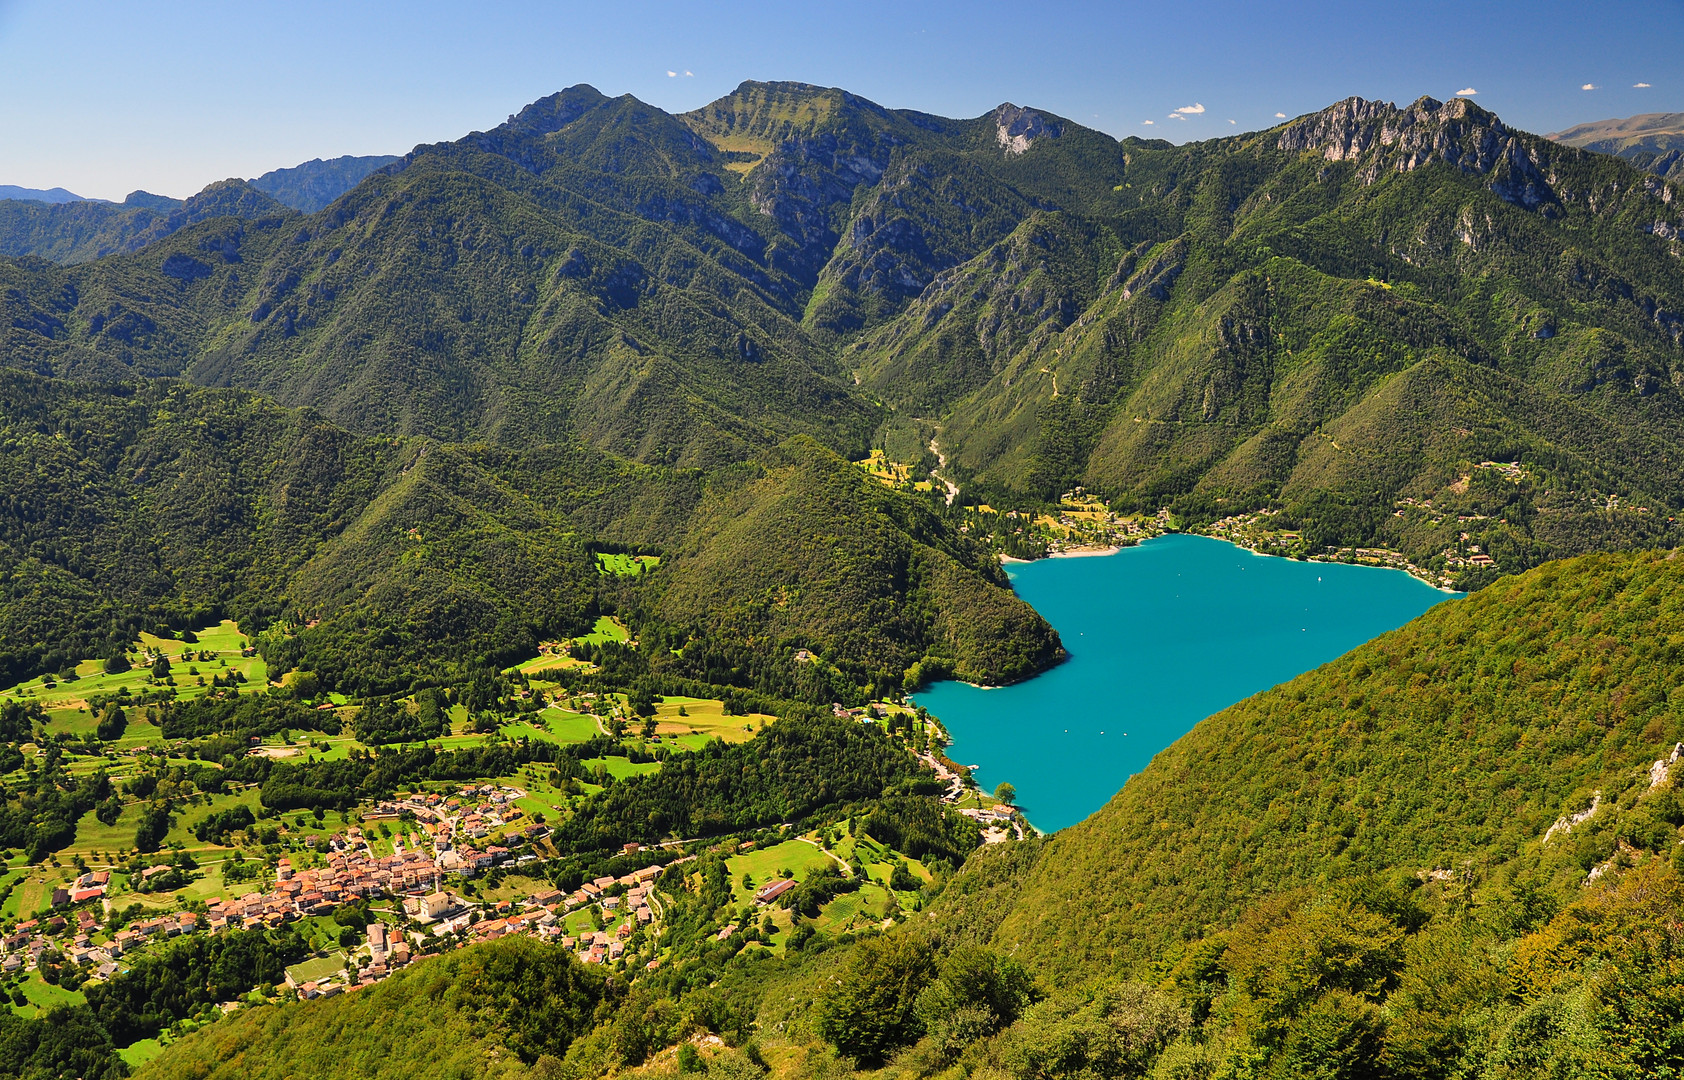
(767, 893)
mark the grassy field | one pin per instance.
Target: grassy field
(140, 1053)
(607, 629)
(557, 726)
(626, 565)
(766, 864)
(535, 667)
(223, 640)
(705, 719)
(851, 911)
(43, 996)
(317, 968)
(891, 473)
(620, 768)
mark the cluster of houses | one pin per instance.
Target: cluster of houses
(626, 902)
(474, 813)
(998, 822)
(351, 872)
(438, 843)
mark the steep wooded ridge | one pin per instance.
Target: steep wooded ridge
(159, 504)
(1329, 318)
(1452, 852)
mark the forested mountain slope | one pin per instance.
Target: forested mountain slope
(475, 1014)
(1340, 317)
(316, 183)
(138, 505)
(81, 231)
(1448, 747)
(1331, 317)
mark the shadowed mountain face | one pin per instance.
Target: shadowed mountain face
(1355, 308)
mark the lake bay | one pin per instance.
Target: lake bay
(1160, 636)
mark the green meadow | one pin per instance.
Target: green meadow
(626, 565)
(66, 699)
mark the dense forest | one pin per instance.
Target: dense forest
(385, 564)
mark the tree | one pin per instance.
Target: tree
(112, 723)
(161, 667)
(109, 811)
(1006, 793)
(870, 1009)
(155, 822)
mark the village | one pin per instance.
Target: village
(421, 880)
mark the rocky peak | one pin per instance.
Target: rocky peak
(1380, 137)
(1016, 127)
(552, 113)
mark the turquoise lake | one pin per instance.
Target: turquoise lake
(1160, 636)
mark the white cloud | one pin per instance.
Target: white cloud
(1194, 108)
(1233, 121)
(1148, 121)
(1640, 86)
(1176, 116)
(1590, 86)
(689, 74)
(1469, 92)
(1280, 116)
(672, 74)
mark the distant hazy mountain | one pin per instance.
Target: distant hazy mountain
(151, 201)
(1653, 141)
(64, 227)
(314, 184)
(49, 195)
(76, 232)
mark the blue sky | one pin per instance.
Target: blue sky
(103, 98)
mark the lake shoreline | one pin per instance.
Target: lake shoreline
(1409, 569)
(1088, 552)
(1159, 636)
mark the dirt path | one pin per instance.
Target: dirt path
(941, 463)
(847, 871)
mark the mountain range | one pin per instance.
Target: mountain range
(46, 195)
(1328, 317)
(390, 433)
(66, 228)
(1653, 141)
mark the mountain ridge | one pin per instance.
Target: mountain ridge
(1162, 325)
